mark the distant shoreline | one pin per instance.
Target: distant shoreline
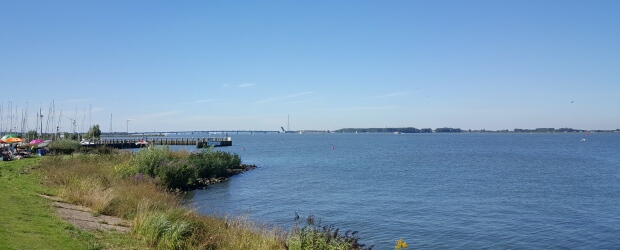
(412, 130)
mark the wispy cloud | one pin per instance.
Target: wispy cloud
(391, 95)
(300, 94)
(283, 97)
(245, 85)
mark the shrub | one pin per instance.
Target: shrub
(180, 170)
(148, 159)
(64, 146)
(175, 174)
(211, 164)
(315, 236)
(100, 150)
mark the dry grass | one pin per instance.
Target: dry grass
(98, 182)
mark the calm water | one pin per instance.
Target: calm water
(433, 190)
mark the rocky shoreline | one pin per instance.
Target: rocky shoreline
(203, 183)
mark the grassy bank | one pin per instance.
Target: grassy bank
(142, 188)
(28, 221)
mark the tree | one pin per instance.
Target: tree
(94, 132)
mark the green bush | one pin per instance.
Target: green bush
(178, 169)
(148, 159)
(175, 174)
(64, 146)
(212, 164)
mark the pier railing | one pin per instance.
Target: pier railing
(136, 143)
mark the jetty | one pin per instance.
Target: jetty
(140, 143)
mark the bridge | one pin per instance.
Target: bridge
(190, 132)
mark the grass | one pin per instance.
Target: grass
(102, 183)
(160, 221)
(28, 221)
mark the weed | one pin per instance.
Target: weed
(314, 236)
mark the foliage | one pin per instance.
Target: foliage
(400, 244)
(315, 236)
(212, 164)
(93, 181)
(93, 132)
(71, 136)
(64, 146)
(147, 160)
(164, 230)
(29, 223)
(180, 170)
(384, 130)
(100, 150)
(102, 183)
(176, 174)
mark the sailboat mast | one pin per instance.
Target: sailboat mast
(41, 120)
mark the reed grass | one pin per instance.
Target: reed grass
(113, 184)
(103, 184)
(309, 234)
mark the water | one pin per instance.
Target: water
(460, 191)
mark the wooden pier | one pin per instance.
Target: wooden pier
(140, 143)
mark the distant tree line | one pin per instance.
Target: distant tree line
(397, 130)
(548, 130)
(458, 130)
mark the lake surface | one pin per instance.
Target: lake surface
(460, 191)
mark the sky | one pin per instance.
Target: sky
(250, 65)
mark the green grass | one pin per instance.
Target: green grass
(102, 183)
(28, 221)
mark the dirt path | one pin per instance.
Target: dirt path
(82, 217)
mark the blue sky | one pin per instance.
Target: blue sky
(212, 65)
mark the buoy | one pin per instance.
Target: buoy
(332, 148)
(243, 149)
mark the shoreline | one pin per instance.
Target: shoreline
(204, 183)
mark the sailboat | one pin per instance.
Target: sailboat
(584, 139)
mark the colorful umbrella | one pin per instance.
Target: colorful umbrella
(1, 141)
(13, 140)
(36, 141)
(44, 144)
(7, 136)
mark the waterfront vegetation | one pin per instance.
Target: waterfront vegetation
(143, 188)
(27, 221)
(312, 235)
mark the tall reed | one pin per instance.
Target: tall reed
(103, 183)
